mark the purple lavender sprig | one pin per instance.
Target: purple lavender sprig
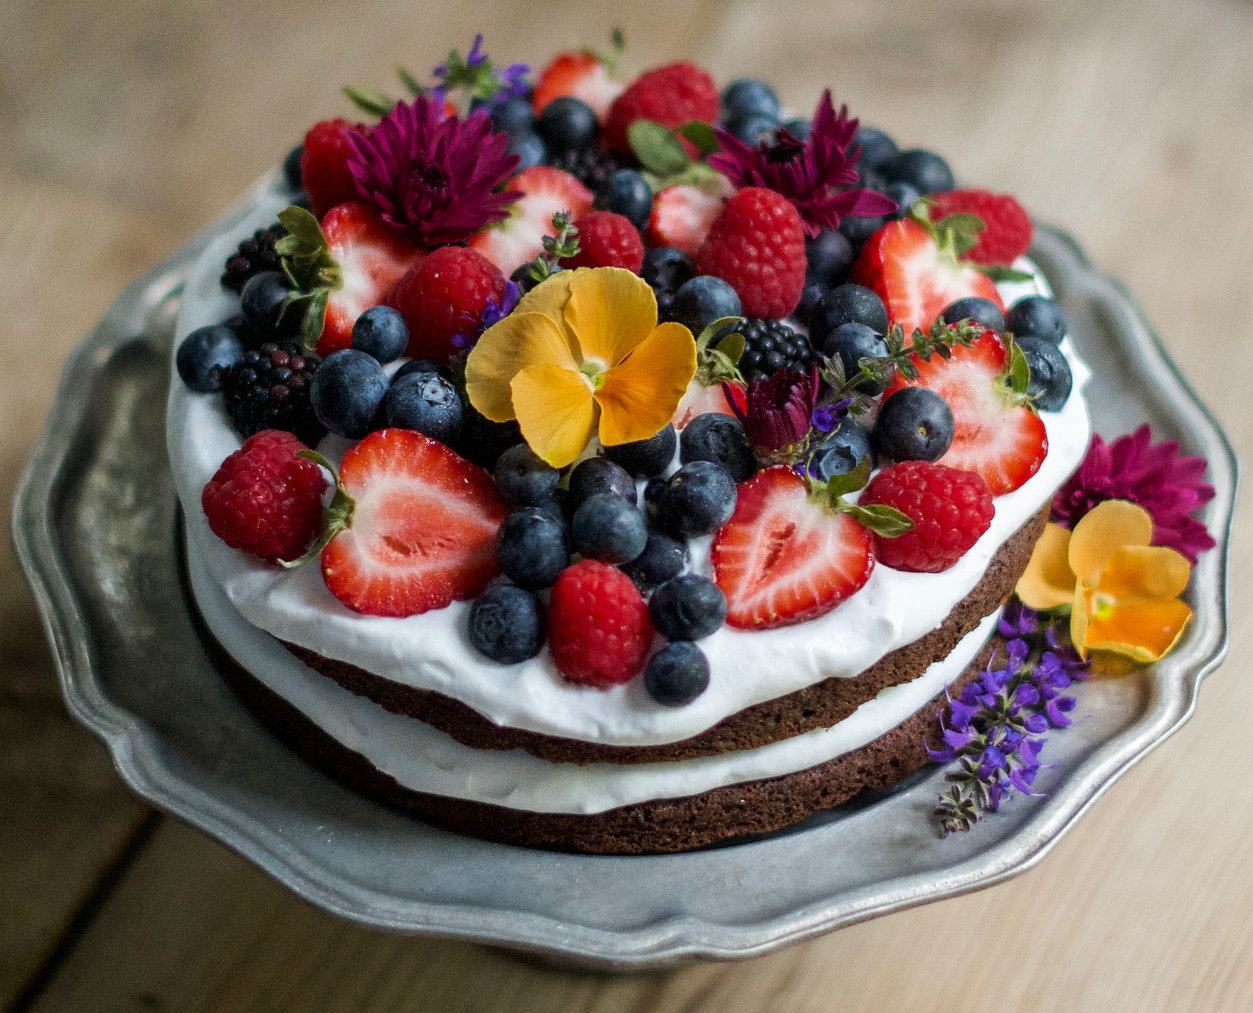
(997, 724)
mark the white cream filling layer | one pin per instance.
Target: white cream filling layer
(424, 759)
(430, 651)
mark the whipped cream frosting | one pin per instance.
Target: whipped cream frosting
(421, 758)
(430, 651)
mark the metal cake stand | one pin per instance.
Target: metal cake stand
(94, 523)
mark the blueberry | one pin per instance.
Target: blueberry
(697, 500)
(523, 479)
(261, 300)
(663, 558)
(422, 366)
(511, 116)
(425, 402)
(291, 168)
(599, 474)
(829, 258)
(687, 608)
(811, 295)
(567, 124)
(666, 268)
(981, 311)
(606, 527)
(754, 128)
(532, 547)
(1036, 317)
(205, 354)
(914, 424)
(626, 193)
(701, 301)
(840, 451)
(1051, 378)
(677, 674)
(646, 458)
(654, 489)
(924, 170)
(847, 304)
(853, 342)
(720, 439)
(746, 96)
(858, 228)
(905, 196)
(799, 128)
(877, 149)
(347, 392)
(507, 624)
(380, 331)
(529, 147)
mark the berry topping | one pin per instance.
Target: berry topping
(519, 238)
(663, 558)
(949, 508)
(702, 300)
(324, 171)
(422, 531)
(677, 674)
(918, 275)
(924, 170)
(1051, 378)
(1037, 317)
(704, 399)
(671, 95)
(914, 424)
(682, 216)
(687, 608)
(606, 526)
(721, 439)
(696, 500)
(1007, 227)
(994, 434)
(347, 393)
(532, 547)
(981, 311)
(523, 479)
(771, 345)
(381, 332)
(646, 458)
(847, 304)
(756, 245)
(607, 240)
(506, 624)
(254, 255)
(783, 558)
(579, 74)
(206, 355)
(566, 124)
(598, 627)
(443, 299)
(851, 343)
(839, 452)
(597, 475)
(265, 499)
(425, 402)
(625, 192)
(269, 389)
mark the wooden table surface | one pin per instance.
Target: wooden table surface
(127, 126)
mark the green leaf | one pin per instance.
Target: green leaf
(732, 346)
(370, 100)
(881, 519)
(999, 272)
(722, 327)
(409, 82)
(701, 134)
(658, 150)
(1019, 370)
(961, 222)
(849, 482)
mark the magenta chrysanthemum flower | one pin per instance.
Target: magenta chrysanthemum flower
(777, 415)
(1133, 468)
(431, 176)
(817, 175)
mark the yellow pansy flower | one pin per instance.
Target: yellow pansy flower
(1123, 591)
(582, 354)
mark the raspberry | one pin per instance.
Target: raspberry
(324, 166)
(442, 299)
(950, 510)
(264, 499)
(607, 240)
(756, 245)
(1008, 228)
(670, 95)
(598, 626)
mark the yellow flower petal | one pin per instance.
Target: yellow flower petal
(555, 410)
(550, 297)
(1144, 631)
(1109, 526)
(1079, 609)
(1144, 573)
(505, 349)
(641, 394)
(1048, 581)
(611, 310)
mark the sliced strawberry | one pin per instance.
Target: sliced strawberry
(1002, 441)
(682, 216)
(783, 558)
(324, 171)
(701, 400)
(580, 75)
(423, 530)
(903, 263)
(371, 256)
(519, 238)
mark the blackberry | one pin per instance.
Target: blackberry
(255, 254)
(591, 165)
(269, 389)
(771, 345)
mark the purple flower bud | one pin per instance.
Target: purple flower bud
(777, 415)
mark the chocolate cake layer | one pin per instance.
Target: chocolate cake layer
(818, 706)
(657, 827)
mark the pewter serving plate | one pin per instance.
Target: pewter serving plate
(94, 523)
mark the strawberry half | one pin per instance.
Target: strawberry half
(423, 529)
(701, 399)
(372, 256)
(580, 75)
(994, 435)
(519, 238)
(783, 558)
(917, 274)
(683, 214)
